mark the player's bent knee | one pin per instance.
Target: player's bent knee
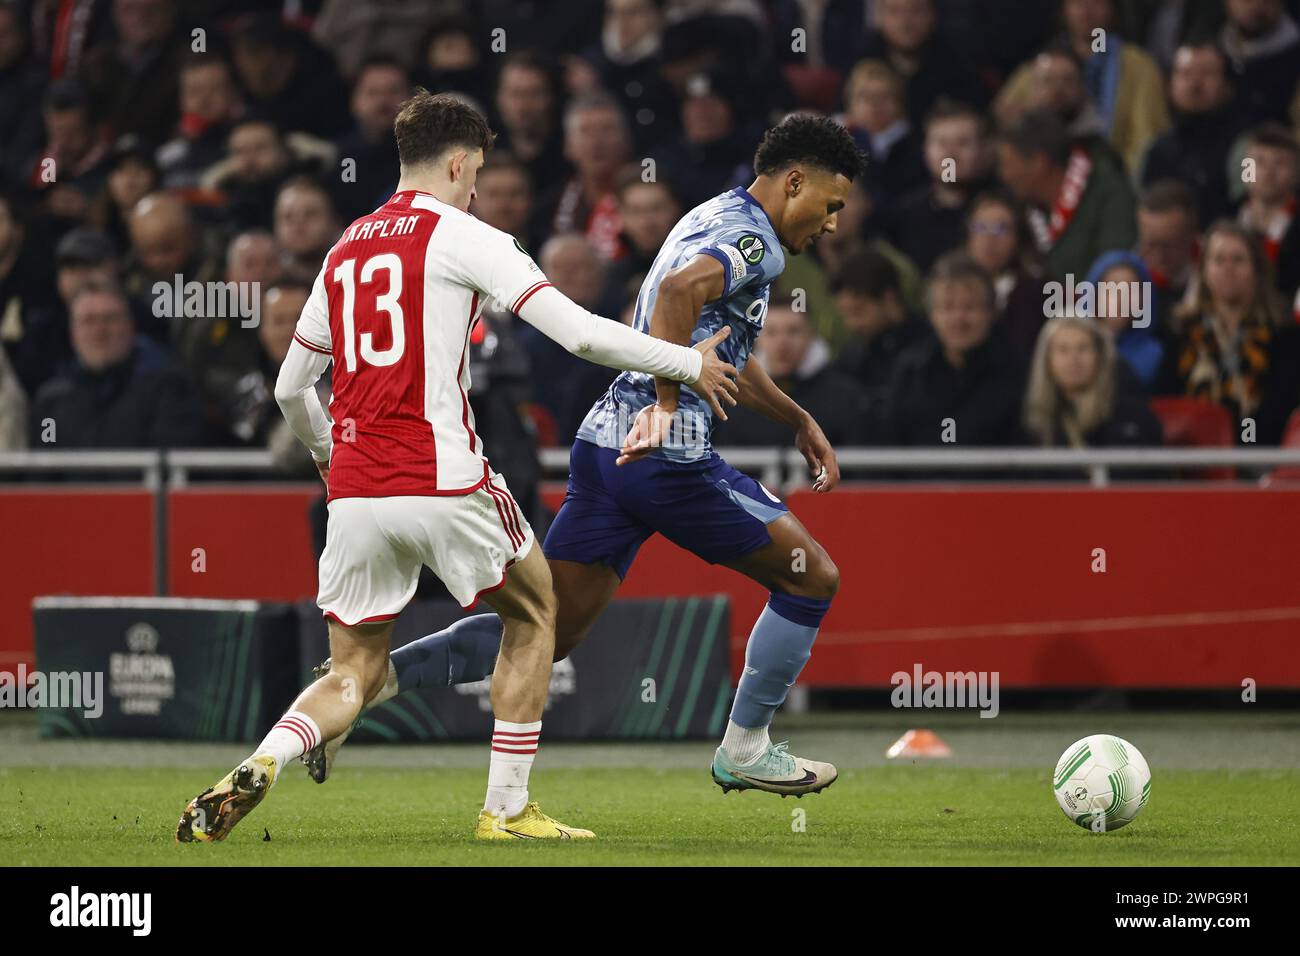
(828, 579)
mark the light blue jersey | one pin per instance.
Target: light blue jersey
(734, 229)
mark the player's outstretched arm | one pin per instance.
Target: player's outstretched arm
(613, 344)
(760, 394)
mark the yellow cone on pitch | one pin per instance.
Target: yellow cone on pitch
(918, 743)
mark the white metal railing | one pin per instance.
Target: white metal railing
(780, 468)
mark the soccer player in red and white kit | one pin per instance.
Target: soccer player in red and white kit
(392, 308)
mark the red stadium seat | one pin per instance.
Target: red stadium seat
(1196, 423)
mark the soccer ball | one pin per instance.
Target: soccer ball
(1101, 782)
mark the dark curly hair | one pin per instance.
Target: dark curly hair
(805, 138)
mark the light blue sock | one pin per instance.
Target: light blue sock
(779, 646)
(460, 654)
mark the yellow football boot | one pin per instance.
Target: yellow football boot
(531, 824)
(213, 813)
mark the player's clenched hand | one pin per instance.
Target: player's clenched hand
(324, 468)
(817, 451)
(648, 432)
(717, 381)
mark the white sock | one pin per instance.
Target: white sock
(292, 736)
(745, 744)
(513, 749)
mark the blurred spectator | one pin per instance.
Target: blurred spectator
(389, 29)
(1059, 88)
(834, 30)
(1270, 207)
(1168, 242)
(72, 169)
(21, 85)
(999, 241)
(1121, 81)
(380, 89)
(1232, 345)
(13, 408)
(1262, 43)
(498, 367)
(165, 243)
(905, 36)
(258, 161)
(648, 211)
(713, 151)
(288, 79)
(857, 227)
(132, 175)
(452, 61)
(257, 417)
(964, 385)
(932, 220)
(503, 195)
(131, 80)
(877, 322)
(63, 30)
(528, 103)
(1078, 396)
(1079, 204)
(1196, 149)
(306, 224)
(1164, 26)
(596, 142)
(209, 106)
(875, 113)
(32, 328)
(121, 392)
(1123, 289)
(563, 384)
(225, 353)
(627, 64)
(798, 361)
(253, 257)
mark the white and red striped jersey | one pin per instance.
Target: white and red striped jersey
(393, 305)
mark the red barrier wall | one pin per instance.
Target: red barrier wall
(65, 540)
(1198, 591)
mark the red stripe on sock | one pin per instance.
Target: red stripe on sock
(304, 727)
(298, 733)
(518, 753)
(516, 733)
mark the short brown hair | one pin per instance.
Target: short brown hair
(429, 124)
(958, 267)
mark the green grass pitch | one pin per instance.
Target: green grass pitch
(1224, 792)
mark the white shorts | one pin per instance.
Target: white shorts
(374, 548)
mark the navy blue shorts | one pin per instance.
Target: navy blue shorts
(705, 506)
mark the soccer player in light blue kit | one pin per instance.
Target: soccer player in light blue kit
(642, 462)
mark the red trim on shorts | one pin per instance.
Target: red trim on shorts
(515, 541)
(495, 587)
(365, 620)
(514, 511)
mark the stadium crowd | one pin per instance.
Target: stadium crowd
(1014, 148)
